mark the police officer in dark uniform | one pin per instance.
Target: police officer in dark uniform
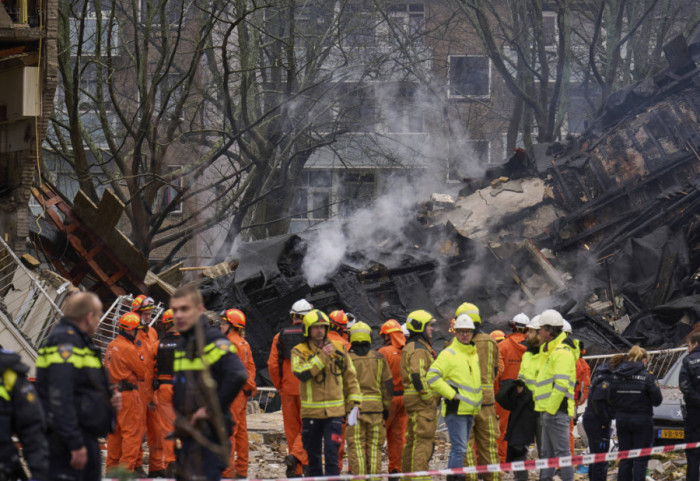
(633, 394)
(207, 377)
(598, 415)
(689, 381)
(20, 413)
(74, 390)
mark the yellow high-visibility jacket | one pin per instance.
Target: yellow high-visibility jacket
(530, 367)
(557, 377)
(456, 374)
(416, 358)
(328, 384)
(376, 383)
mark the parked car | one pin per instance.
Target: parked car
(668, 417)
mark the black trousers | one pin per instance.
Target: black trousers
(692, 435)
(60, 456)
(598, 442)
(326, 434)
(196, 463)
(634, 432)
(517, 453)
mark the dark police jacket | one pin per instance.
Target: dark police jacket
(225, 367)
(20, 413)
(689, 379)
(73, 386)
(633, 390)
(598, 408)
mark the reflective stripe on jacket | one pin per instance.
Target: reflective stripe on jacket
(416, 358)
(328, 385)
(530, 367)
(490, 362)
(375, 381)
(557, 377)
(456, 374)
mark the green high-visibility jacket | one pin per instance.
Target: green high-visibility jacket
(557, 377)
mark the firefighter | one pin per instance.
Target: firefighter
(126, 366)
(163, 397)
(396, 423)
(456, 376)
(554, 391)
(207, 377)
(20, 414)
(498, 335)
(420, 401)
(511, 350)
(279, 364)
(486, 430)
(74, 390)
(329, 391)
(689, 382)
(366, 438)
(339, 327)
(233, 325)
(147, 343)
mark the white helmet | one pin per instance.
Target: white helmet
(521, 321)
(567, 327)
(301, 307)
(464, 321)
(405, 330)
(352, 320)
(534, 323)
(550, 317)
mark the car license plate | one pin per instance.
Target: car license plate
(670, 433)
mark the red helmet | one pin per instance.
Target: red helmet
(167, 317)
(130, 321)
(339, 319)
(392, 325)
(142, 303)
(235, 317)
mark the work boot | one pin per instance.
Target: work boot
(291, 461)
(156, 474)
(171, 470)
(140, 472)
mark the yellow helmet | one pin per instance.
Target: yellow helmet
(417, 320)
(315, 317)
(360, 332)
(471, 309)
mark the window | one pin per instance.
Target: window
(469, 76)
(476, 152)
(169, 92)
(312, 199)
(550, 29)
(411, 17)
(357, 108)
(359, 27)
(108, 35)
(171, 190)
(174, 11)
(356, 191)
(405, 115)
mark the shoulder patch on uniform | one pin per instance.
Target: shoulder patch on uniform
(223, 344)
(28, 392)
(65, 351)
(71, 331)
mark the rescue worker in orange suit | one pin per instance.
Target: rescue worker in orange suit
(498, 335)
(232, 325)
(511, 349)
(279, 364)
(163, 398)
(486, 429)
(147, 342)
(396, 423)
(126, 366)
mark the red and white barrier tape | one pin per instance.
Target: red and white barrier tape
(531, 465)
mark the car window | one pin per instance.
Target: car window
(671, 378)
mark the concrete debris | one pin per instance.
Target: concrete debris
(442, 200)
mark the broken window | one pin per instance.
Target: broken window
(469, 76)
(357, 191)
(312, 198)
(403, 114)
(356, 108)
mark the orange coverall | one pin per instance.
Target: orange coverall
(125, 364)
(147, 343)
(163, 397)
(238, 463)
(287, 385)
(511, 349)
(397, 422)
(583, 384)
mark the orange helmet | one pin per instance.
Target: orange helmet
(390, 326)
(167, 317)
(142, 303)
(339, 319)
(498, 335)
(130, 321)
(235, 317)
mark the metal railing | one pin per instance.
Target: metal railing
(108, 328)
(29, 303)
(660, 362)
